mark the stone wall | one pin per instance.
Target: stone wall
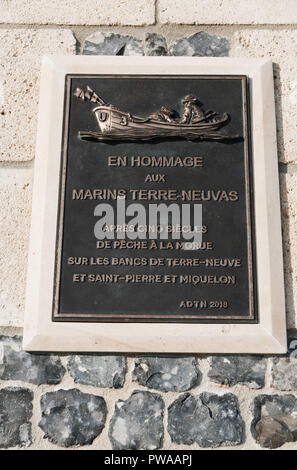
(102, 401)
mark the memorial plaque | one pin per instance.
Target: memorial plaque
(119, 141)
(154, 184)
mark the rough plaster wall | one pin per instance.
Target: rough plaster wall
(29, 31)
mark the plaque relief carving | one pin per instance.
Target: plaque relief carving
(174, 219)
(156, 221)
(115, 124)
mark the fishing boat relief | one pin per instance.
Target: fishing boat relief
(117, 125)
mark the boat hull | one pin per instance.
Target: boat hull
(118, 125)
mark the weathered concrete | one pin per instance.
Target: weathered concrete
(71, 12)
(15, 208)
(280, 46)
(288, 185)
(20, 59)
(230, 12)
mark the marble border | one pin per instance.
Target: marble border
(41, 334)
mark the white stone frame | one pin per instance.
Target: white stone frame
(269, 335)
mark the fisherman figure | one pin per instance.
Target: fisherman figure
(192, 112)
(165, 114)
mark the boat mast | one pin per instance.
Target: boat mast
(89, 95)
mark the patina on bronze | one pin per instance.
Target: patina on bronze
(114, 124)
(150, 159)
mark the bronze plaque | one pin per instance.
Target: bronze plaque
(155, 218)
